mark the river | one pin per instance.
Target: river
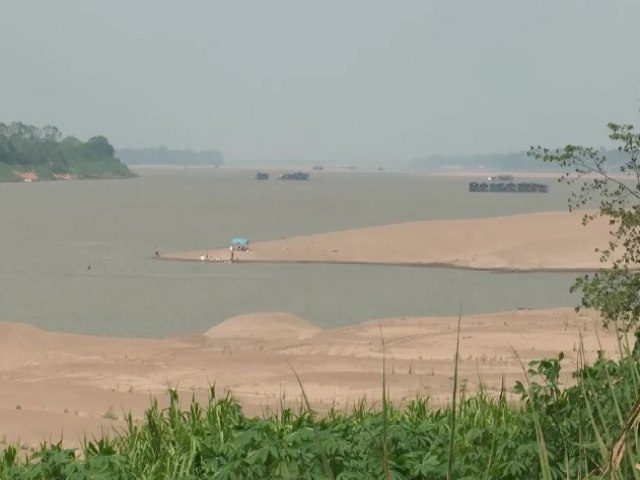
(78, 256)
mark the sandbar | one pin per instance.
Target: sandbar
(548, 241)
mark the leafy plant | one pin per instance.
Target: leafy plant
(614, 185)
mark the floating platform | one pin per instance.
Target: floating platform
(508, 187)
(294, 176)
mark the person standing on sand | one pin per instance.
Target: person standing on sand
(231, 252)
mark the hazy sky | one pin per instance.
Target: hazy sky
(326, 79)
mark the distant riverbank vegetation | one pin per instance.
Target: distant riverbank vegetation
(508, 162)
(32, 153)
(167, 156)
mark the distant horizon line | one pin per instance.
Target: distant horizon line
(342, 162)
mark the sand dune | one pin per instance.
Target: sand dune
(57, 382)
(537, 241)
(20, 343)
(263, 327)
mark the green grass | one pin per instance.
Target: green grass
(543, 431)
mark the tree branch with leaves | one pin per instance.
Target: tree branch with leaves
(614, 185)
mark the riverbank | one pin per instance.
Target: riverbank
(58, 384)
(550, 241)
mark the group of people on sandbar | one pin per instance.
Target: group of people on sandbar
(208, 258)
(233, 248)
(232, 257)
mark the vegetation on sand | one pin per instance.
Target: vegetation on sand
(554, 432)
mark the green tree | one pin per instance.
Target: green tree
(99, 147)
(43, 151)
(613, 183)
(51, 133)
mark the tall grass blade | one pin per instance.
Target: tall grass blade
(543, 453)
(385, 411)
(618, 448)
(325, 461)
(453, 402)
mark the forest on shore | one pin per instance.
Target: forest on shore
(519, 161)
(169, 156)
(28, 152)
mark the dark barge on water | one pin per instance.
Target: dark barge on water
(294, 176)
(504, 183)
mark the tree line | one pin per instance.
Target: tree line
(513, 161)
(44, 150)
(167, 156)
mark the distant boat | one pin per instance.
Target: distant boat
(500, 178)
(294, 176)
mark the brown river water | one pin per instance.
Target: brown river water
(79, 256)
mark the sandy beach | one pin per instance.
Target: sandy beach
(528, 242)
(55, 385)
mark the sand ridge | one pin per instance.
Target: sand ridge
(263, 327)
(53, 382)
